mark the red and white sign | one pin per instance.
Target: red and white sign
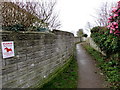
(7, 49)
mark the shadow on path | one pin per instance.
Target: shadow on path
(88, 72)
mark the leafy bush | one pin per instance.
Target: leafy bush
(108, 39)
(85, 35)
(109, 43)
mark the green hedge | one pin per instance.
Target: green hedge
(109, 43)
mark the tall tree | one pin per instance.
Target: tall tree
(80, 32)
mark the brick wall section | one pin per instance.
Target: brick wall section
(36, 56)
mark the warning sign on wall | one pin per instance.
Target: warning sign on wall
(7, 49)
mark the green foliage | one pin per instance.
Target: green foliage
(42, 29)
(66, 79)
(110, 67)
(20, 27)
(95, 29)
(109, 43)
(16, 27)
(80, 32)
(85, 35)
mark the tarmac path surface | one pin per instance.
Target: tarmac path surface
(89, 75)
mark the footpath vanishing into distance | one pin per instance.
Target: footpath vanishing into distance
(89, 75)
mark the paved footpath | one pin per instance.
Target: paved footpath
(89, 75)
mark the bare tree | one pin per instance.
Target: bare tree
(103, 13)
(88, 26)
(45, 11)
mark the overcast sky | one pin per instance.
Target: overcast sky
(74, 14)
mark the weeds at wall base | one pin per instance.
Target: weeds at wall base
(56, 74)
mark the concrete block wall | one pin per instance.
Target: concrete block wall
(94, 45)
(36, 56)
(78, 39)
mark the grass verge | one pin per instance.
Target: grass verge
(66, 78)
(109, 66)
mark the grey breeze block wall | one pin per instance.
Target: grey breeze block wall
(36, 56)
(94, 45)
